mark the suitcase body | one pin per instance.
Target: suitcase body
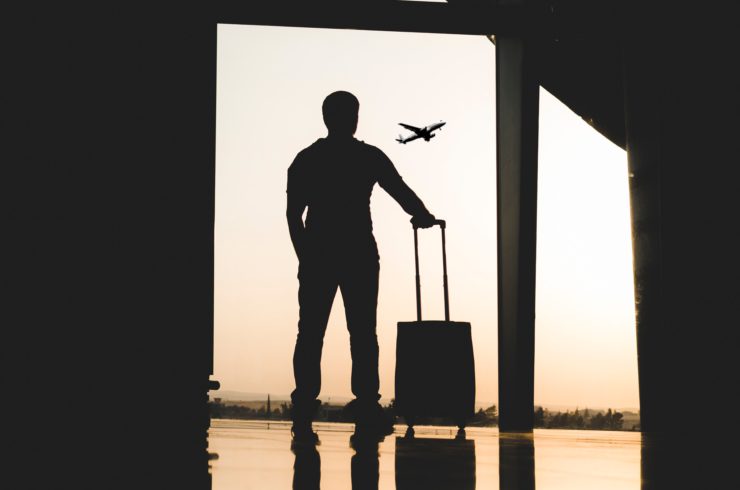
(435, 373)
(435, 370)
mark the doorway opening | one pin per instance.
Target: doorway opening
(271, 84)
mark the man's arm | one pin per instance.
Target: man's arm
(296, 227)
(294, 213)
(390, 180)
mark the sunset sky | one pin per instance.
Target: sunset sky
(271, 83)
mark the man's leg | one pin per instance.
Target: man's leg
(315, 297)
(359, 285)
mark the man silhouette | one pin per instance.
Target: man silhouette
(334, 178)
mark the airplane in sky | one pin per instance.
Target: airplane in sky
(425, 132)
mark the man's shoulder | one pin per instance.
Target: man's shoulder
(322, 148)
(374, 153)
(307, 153)
(312, 148)
(368, 147)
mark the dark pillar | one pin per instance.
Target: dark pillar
(681, 103)
(517, 110)
(642, 116)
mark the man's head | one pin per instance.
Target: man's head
(340, 113)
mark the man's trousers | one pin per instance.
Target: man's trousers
(357, 278)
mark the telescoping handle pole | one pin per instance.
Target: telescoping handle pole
(418, 279)
(442, 226)
(444, 271)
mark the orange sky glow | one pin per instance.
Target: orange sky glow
(271, 83)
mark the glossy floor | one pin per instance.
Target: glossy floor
(257, 454)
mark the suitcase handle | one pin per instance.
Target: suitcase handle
(442, 226)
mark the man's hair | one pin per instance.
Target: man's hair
(340, 112)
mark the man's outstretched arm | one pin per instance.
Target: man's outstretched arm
(391, 181)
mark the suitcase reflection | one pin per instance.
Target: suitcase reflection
(431, 463)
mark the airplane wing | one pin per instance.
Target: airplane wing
(435, 126)
(410, 128)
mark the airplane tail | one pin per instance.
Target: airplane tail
(400, 139)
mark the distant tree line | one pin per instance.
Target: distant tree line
(326, 412)
(221, 410)
(488, 417)
(577, 419)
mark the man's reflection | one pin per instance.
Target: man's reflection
(307, 466)
(516, 461)
(435, 463)
(365, 461)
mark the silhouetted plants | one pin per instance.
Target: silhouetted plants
(588, 419)
(488, 417)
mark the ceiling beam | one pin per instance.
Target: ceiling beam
(475, 18)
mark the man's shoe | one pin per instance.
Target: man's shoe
(364, 442)
(302, 414)
(374, 420)
(372, 432)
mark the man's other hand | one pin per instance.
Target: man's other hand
(424, 221)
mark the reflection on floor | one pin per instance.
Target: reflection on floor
(258, 454)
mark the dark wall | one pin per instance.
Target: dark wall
(110, 207)
(681, 112)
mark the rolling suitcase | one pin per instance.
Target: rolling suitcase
(435, 373)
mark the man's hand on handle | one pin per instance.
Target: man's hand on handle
(424, 221)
